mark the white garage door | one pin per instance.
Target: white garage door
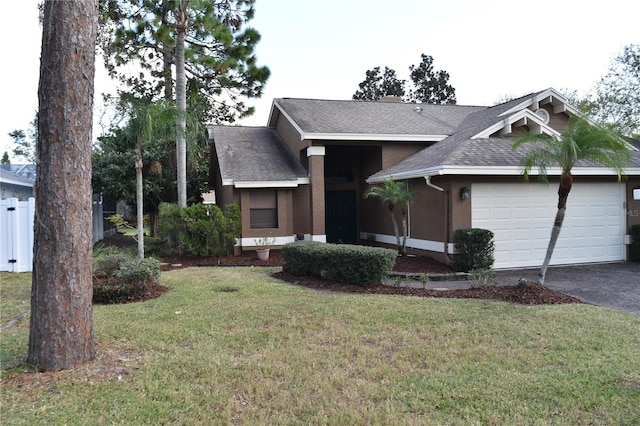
(521, 216)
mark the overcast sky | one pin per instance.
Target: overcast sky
(322, 48)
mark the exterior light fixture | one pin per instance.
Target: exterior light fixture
(464, 193)
(636, 193)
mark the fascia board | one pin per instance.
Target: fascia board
(271, 184)
(517, 170)
(499, 171)
(374, 137)
(282, 111)
(18, 180)
(272, 112)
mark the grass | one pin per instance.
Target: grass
(233, 345)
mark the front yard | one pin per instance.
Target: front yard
(234, 345)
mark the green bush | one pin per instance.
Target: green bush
(200, 230)
(339, 262)
(634, 248)
(139, 270)
(120, 277)
(109, 263)
(474, 249)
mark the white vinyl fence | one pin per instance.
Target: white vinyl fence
(16, 232)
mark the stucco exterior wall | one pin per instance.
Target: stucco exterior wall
(394, 152)
(632, 209)
(285, 219)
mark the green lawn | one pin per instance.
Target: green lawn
(235, 346)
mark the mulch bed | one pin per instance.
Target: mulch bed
(533, 294)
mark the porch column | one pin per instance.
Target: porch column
(316, 171)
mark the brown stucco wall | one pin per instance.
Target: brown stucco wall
(290, 135)
(633, 206)
(285, 219)
(394, 152)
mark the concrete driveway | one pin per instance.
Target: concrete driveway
(612, 285)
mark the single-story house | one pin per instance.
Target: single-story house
(16, 181)
(303, 176)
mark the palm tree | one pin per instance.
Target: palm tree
(394, 194)
(147, 123)
(580, 141)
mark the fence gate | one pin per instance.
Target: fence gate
(16, 234)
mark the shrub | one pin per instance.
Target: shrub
(139, 270)
(120, 277)
(482, 277)
(200, 230)
(634, 248)
(339, 262)
(109, 263)
(474, 249)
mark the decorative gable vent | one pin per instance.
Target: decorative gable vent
(544, 114)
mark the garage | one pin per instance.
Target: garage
(521, 216)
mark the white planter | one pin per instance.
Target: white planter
(263, 254)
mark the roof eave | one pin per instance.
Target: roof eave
(249, 184)
(498, 171)
(373, 137)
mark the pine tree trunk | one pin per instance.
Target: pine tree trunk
(181, 104)
(61, 324)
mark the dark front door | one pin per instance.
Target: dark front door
(340, 216)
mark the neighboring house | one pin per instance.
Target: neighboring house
(18, 181)
(15, 182)
(303, 176)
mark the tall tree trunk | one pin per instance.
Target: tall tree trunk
(182, 21)
(566, 182)
(167, 56)
(61, 324)
(139, 200)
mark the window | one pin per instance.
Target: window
(264, 208)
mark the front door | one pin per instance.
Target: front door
(340, 216)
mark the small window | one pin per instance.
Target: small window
(264, 208)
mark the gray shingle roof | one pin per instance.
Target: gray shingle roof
(374, 118)
(255, 154)
(461, 151)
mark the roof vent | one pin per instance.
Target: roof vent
(418, 109)
(392, 98)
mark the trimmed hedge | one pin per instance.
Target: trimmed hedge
(634, 248)
(474, 249)
(339, 262)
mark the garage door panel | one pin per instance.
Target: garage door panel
(522, 235)
(521, 216)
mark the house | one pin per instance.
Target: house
(17, 181)
(303, 176)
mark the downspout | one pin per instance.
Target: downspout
(447, 197)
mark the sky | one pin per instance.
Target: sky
(321, 49)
